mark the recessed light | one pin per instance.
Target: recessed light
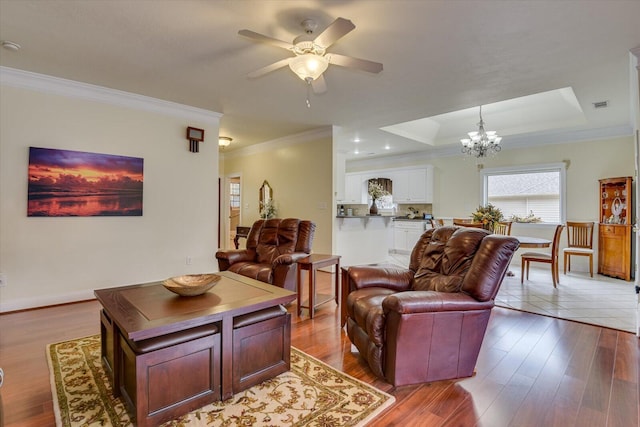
(356, 151)
(10, 45)
(387, 147)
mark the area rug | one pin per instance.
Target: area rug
(310, 394)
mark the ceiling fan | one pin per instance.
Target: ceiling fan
(311, 57)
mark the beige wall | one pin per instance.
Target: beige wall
(588, 162)
(300, 174)
(53, 260)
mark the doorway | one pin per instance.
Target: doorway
(233, 191)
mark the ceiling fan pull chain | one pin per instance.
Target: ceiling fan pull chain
(308, 80)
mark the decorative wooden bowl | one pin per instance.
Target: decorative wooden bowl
(191, 285)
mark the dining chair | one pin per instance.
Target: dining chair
(502, 227)
(437, 223)
(579, 242)
(466, 222)
(544, 257)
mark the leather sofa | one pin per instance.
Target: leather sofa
(426, 323)
(272, 250)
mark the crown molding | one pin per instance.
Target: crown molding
(569, 136)
(383, 162)
(73, 89)
(298, 138)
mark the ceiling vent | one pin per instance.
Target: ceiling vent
(600, 104)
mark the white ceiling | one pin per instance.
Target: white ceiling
(439, 57)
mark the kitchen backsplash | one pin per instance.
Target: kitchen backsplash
(401, 210)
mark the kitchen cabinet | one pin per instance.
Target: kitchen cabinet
(614, 231)
(406, 234)
(354, 189)
(413, 185)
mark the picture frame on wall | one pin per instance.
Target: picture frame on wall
(78, 183)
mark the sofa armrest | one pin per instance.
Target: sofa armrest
(287, 259)
(229, 257)
(431, 301)
(381, 276)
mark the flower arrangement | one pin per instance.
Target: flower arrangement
(376, 191)
(529, 218)
(268, 210)
(488, 215)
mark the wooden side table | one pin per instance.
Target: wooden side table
(312, 263)
(240, 232)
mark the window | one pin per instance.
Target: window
(533, 190)
(234, 194)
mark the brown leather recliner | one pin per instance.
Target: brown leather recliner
(272, 250)
(427, 323)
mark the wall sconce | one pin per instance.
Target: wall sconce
(224, 141)
(195, 136)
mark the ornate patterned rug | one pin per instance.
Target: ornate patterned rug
(310, 394)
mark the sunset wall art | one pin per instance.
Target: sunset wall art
(75, 183)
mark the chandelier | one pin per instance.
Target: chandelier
(481, 143)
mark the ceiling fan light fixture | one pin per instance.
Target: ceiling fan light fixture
(309, 66)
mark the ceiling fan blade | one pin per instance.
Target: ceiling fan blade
(319, 85)
(269, 68)
(338, 28)
(265, 39)
(348, 61)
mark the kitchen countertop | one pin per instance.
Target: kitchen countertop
(394, 218)
(364, 216)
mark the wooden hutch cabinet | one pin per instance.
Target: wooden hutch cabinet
(614, 232)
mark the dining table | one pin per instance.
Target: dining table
(533, 242)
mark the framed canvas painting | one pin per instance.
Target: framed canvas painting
(77, 183)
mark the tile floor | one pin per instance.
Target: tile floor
(599, 300)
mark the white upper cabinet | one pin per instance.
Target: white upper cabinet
(354, 192)
(413, 185)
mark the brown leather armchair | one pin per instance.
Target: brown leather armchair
(272, 250)
(427, 322)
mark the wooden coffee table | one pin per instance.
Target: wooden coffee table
(168, 354)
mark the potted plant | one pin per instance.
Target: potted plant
(488, 215)
(268, 210)
(376, 191)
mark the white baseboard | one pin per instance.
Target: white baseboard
(46, 300)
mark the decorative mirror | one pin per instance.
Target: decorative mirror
(266, 194)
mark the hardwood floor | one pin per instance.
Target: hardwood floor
(532, 371)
